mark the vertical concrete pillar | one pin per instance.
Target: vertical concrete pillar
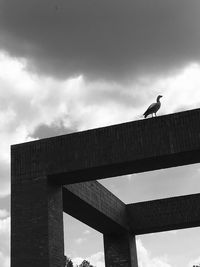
(120, 250)
(36, 223)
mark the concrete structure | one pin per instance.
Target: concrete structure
(48, 175)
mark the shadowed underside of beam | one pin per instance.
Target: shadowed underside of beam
(165, 214)
(94, 205)
(144, 145)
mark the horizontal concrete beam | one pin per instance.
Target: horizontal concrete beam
(138, 146)
(165, 214)
(94, 205)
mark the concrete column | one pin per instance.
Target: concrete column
(36, 223)
(120, 250)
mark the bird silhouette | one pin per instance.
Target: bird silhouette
(153, 108)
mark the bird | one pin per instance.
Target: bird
(153, 108)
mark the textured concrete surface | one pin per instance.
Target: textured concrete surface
(40, 168)
(94, 205)
(165, 214)
(161, 142)
(36, 224)
(120, 250)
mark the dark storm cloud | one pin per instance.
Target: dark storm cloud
(45, 131)
(107, 39)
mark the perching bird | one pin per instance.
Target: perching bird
(153, 108)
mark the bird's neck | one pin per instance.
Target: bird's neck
(158, 100)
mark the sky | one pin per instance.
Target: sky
(72, 65)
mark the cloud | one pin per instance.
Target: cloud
(4, 177)
(80, 240)
(5, 203)
(25, 104)
(195, 262)
(33, 106)
(3, 213)
(5, 260)
(54, 129)
(86, 232)
(97, 259)
(77, 260)
(146, 260)
(5, 242)
(109, 40)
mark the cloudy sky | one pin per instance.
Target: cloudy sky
(71, 65)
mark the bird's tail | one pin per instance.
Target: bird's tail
(145, 114)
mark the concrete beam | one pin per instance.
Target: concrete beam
(94, 205)
(144, 145)
(164, 214)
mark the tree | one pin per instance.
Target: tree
(85, 264)
(68, 262)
